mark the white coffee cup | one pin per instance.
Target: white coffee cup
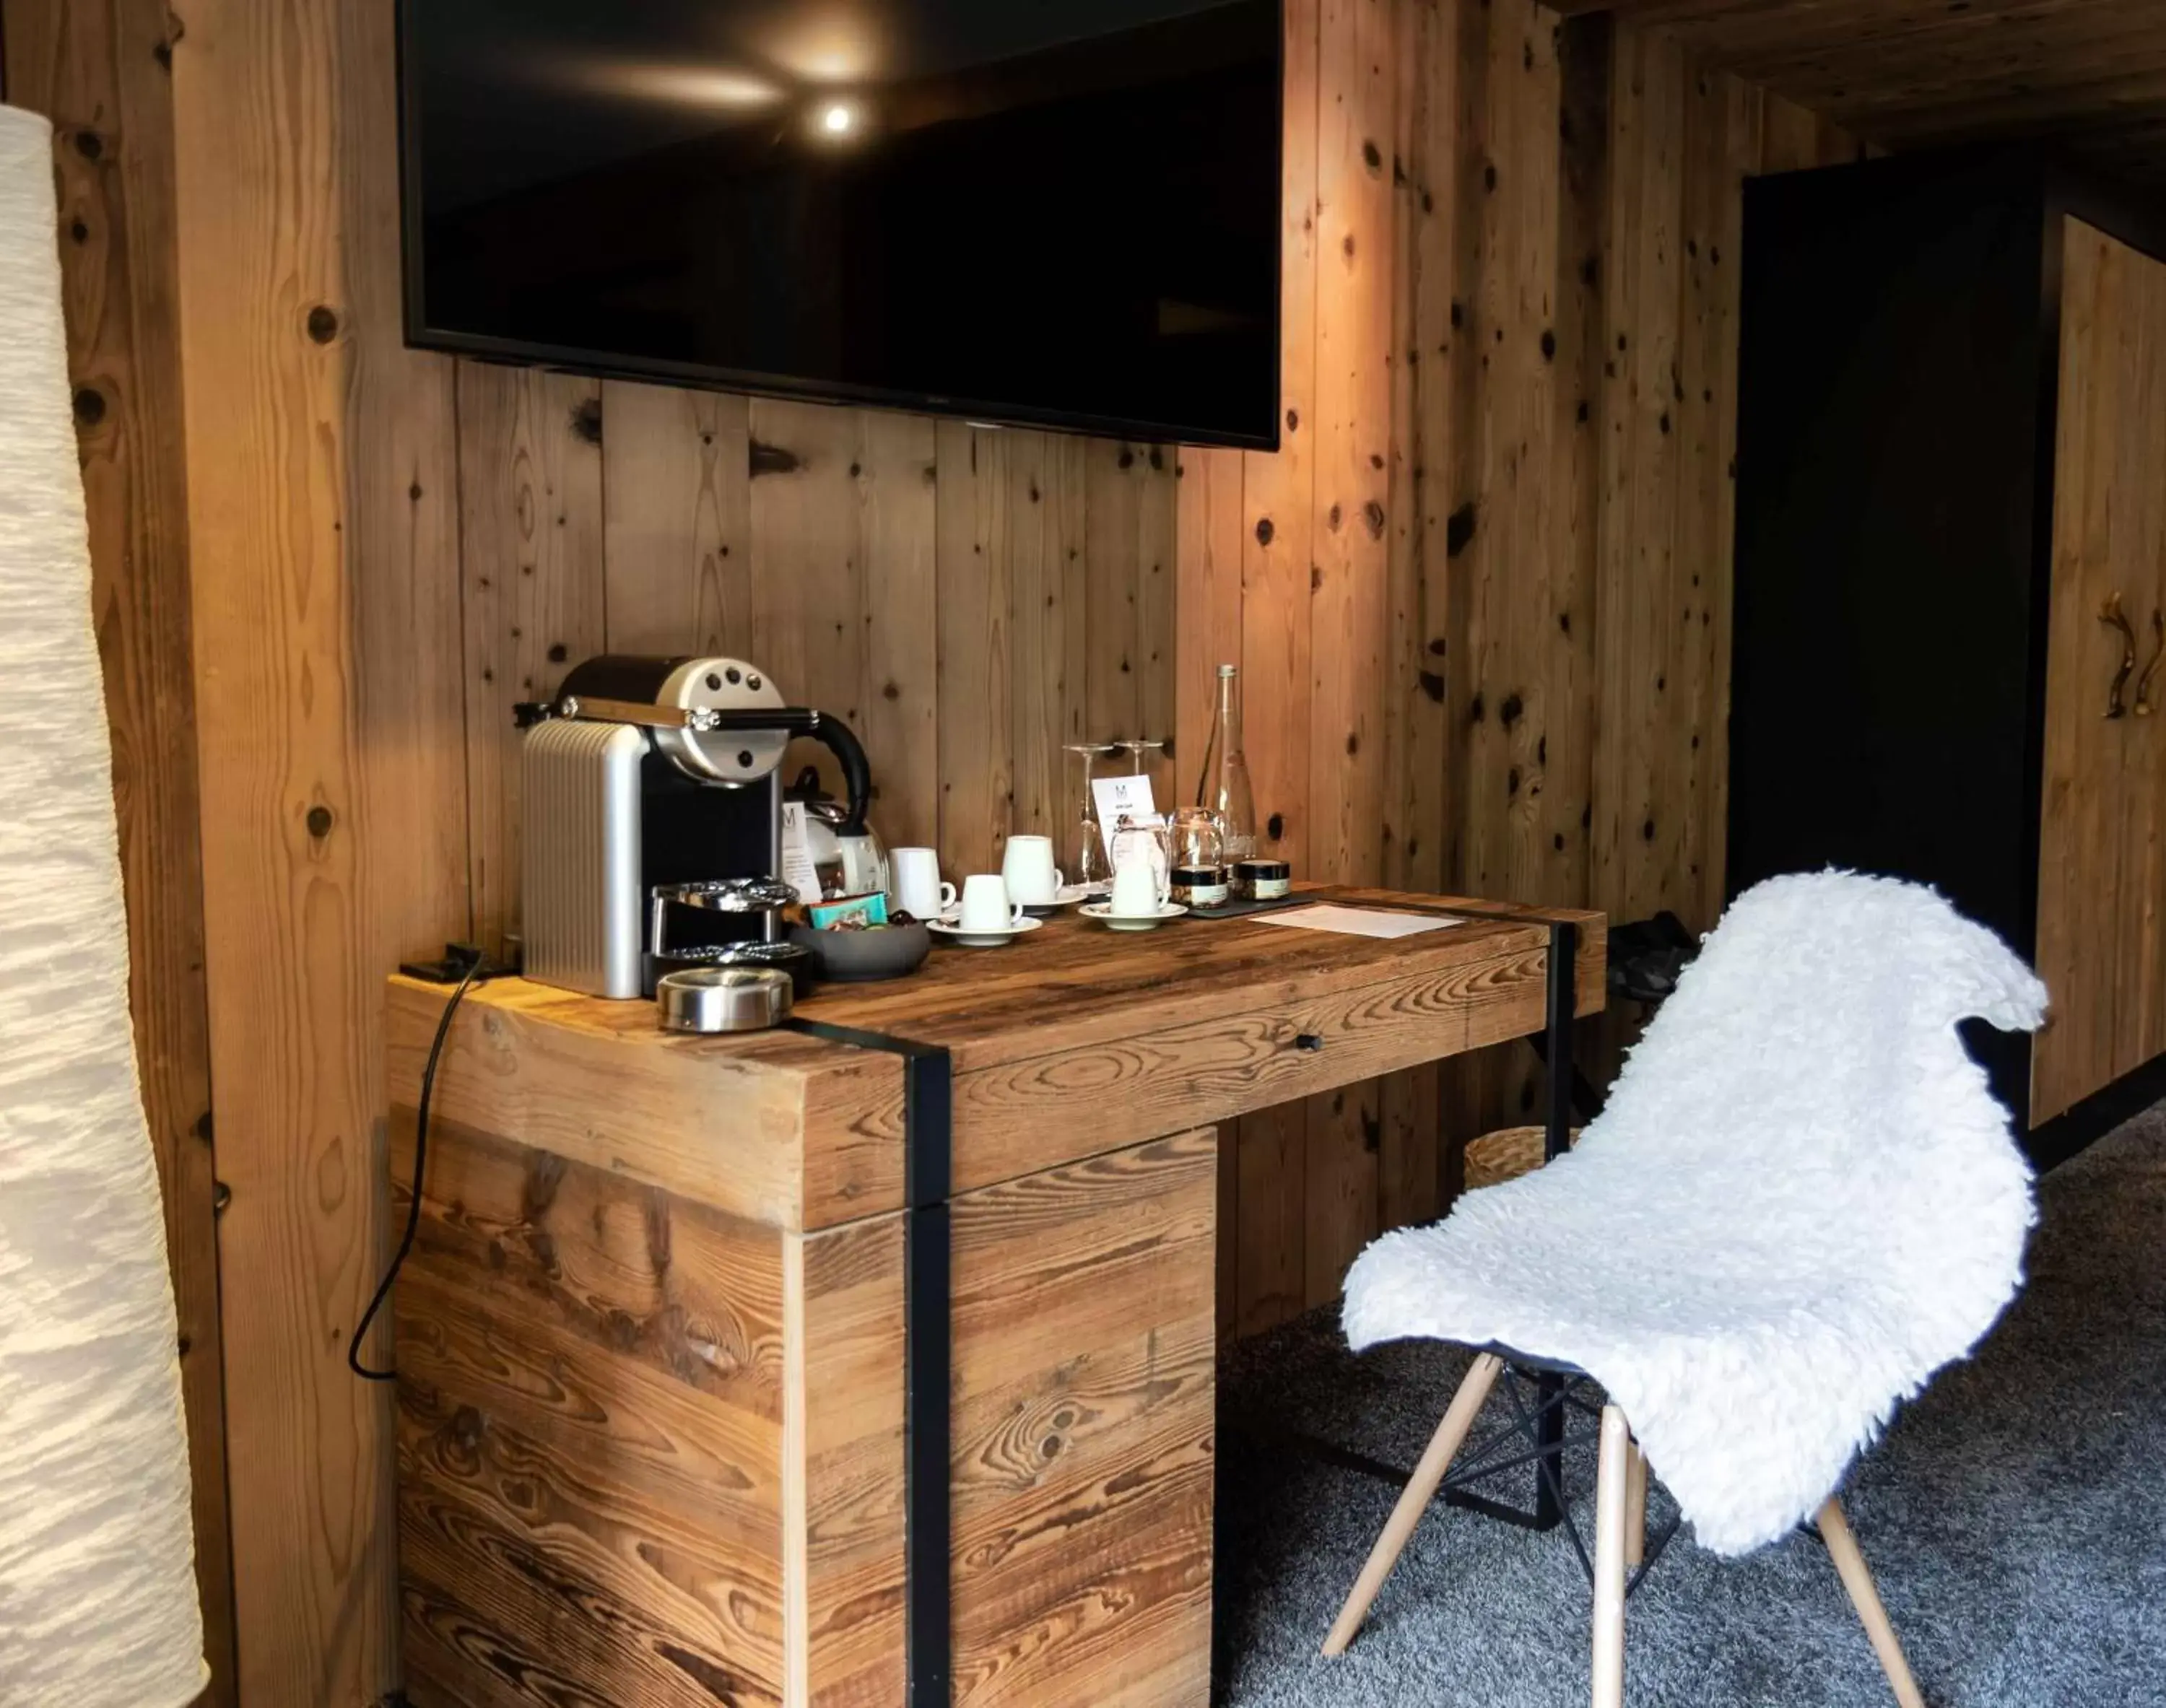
(1135, 891)
(1032, 879)
(985, 905)
(918, 888)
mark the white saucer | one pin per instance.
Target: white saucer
(950, 927)
(1066, 897)
(1102, 911)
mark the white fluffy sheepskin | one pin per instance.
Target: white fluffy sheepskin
(1800, 1202)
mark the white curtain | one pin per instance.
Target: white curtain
(98, 1598)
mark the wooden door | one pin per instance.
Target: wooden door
(2100, 871)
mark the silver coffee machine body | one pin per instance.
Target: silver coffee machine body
(646, 773)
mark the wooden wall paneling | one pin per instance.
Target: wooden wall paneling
(1475, 1090)
(1516, 573)
(1113, 696)
(1208, 633)
(1637, 834)
(323, 522)
(1723, 128)
(1509, 564)
(1408, 1163)
(808, 568)
(1356, 129)
(1153, 572)
(1417, 844)
(976, 752)
(1208, 551)
(1279, 491)
(95, 69)
(676, 520)
(1567, 625)
(897, 698)
(1278, 499)
(531, 532)
(1045, 504)
(1470, 1085)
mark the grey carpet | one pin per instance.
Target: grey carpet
(2015, 1517)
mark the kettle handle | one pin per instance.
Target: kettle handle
(823, 727)
(833, 734)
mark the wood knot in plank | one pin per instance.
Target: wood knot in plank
(762, 458)
(1459, 530)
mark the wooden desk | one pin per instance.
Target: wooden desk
(652, 1338)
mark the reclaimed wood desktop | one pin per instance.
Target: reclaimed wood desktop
(651, 1341)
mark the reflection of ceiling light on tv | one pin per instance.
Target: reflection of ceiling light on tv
(691, 86)
(838, 118)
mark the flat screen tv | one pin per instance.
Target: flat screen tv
(1061, 212)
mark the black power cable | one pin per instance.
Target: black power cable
(420, 1167)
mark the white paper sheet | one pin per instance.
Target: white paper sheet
(1354, 922)
(1118, 798)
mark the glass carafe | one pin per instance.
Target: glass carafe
(1223, 788)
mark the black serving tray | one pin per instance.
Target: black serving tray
(1234, 910)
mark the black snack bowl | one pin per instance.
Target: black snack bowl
(855, 957)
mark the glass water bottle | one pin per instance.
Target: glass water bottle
(1224, 786)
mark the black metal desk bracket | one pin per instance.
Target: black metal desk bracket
(927, 1355)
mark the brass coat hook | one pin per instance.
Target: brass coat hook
(2112, 614)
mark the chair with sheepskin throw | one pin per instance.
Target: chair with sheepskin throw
(1799, 1202)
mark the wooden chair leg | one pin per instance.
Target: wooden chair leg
(1842, 1548)
(1421, 1489)
(1635, 1506)
(1609, 1525)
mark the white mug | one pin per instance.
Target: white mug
(918, 888)
(1135, 891)
(985, 905)
(1032, 879)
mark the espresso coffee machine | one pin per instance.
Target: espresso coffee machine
(646, 773)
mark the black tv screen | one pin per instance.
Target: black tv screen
(1057, 211)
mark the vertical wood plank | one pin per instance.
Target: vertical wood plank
(1037, 622)
(1047, 604)
(1637, 829)
(1113, 502)
(1209, 621)
(93, 70)
(1584, 51)
(976, 762)
(1154, 576)
(1347, 602)
(807, 562)
(1721, 126)
(1278, 515)
(898, 698)
(1408, 1173)
(323, 533)
(677, 522)
(1356, 129)
(530, 557)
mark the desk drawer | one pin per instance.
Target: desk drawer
(1019, 1116)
